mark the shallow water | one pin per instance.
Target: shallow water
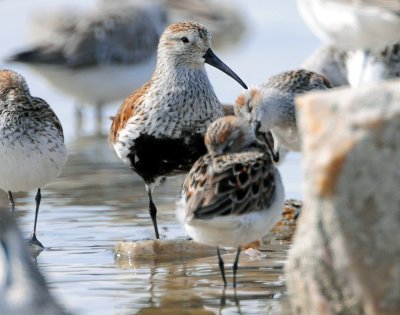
(97, 201)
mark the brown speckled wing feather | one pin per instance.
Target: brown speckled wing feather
(298, 81)
(235, 184)
(46, 113)
(126, 110)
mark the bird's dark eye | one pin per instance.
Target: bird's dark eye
(184, 39)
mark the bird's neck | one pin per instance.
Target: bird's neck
(172, 73)
(184, 96)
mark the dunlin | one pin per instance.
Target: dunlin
(359, 27)
(270, 105)
(159, 129)
(234, 194)
(353, 24)
(22, 288)
(99, 55)
(31, 141)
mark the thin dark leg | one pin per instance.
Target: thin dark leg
(11, 203)
(153, 213)
(99, 119)
(222, 302)
(78, 118)
(235, 266)
(221, 267)
(33, 239)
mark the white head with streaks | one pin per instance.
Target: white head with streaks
(270, 107)
(12, 85)
(187, 44)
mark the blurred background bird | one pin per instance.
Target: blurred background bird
(99, 54)
(361, 36)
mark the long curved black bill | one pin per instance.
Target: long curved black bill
(214, 61)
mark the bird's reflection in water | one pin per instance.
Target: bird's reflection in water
(193, 286)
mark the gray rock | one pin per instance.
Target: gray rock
(346, 253)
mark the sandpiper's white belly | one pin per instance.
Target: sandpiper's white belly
(235, 230)
(98, 84)
(30, 161)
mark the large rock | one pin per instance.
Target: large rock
(346, 253)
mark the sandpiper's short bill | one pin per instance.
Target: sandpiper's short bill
(233, 195)
(159, 129)
(31, 141)
(270, 105)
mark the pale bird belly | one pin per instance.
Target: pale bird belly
(232, 231)
(98, 84)
(29, 166)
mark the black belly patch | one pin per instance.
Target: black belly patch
(153, 157)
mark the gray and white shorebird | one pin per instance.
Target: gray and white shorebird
(233, 195)
(32, 149)
(361, 28)
(159, 129)
(98, 55)
(270, 105)
(23, 289)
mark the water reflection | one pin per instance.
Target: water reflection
(97, 202)
(195, 286)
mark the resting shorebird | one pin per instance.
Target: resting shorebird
(99, 55)
(270, 106)
(159, 130)
(31, 141)
(234, 194)
(22, 288)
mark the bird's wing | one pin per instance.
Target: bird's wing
(233, 184)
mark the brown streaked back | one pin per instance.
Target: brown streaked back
(10, 80)
(126, 111)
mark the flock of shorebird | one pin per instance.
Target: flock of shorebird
(175, 124)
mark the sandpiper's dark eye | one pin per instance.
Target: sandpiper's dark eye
(184, 39)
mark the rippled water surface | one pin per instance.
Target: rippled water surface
(97, 201)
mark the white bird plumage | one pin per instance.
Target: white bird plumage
(270, 105)
(32, 146)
